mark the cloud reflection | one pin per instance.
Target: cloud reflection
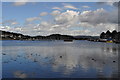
(20, 74)
(67, 58)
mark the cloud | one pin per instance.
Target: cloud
(55, 13)
(69, 6)
(109, 2)
(5, 28)
(20, 3)
(10, 22)
(70, 22)
(87, 22)
(85, 6)
(14, 23)
(32, 19)
(19, 74)
(98, 28)
(43, 14)
(44, 23)
(98, 16)
(57, 8)
(67, 16)
(65, 6)
(117, 5)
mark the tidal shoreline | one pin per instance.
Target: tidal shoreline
(61, 40)
(104, 37)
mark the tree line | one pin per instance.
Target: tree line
(114, 35)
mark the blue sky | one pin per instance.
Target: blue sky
(23, 14)
(20, 13)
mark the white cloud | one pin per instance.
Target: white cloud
(98, 28)
(9, 22)
(85, 6)
(14, 23)
(20, 3)
(44, 23)
(66, 17)
(57, 8)
(69, 6)
(32, 19)
(65, 6)
(55, 13)
(71, 22)
(43, 14)
(5, 28)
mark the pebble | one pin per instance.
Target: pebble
(60, 56)
(4, 54)
(93, 59)
(114, 61)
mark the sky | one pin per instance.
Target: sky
(67, 18)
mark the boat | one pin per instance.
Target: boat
(102, 40)
(109, 41)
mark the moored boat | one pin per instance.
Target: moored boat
(109, 41)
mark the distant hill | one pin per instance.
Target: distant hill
(5, 35)
(85, 37)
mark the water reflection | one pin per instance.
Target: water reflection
(20, 74)
(59, 59)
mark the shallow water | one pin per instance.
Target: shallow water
(59, 59)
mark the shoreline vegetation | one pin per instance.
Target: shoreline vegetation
(104, 37)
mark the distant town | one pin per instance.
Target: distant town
(104, 37)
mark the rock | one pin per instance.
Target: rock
(103, 62)
(60, 56)
(35, 60)
(114, 61)
(93, 59)
(4, 54)
(18, 55)
(46, 57)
